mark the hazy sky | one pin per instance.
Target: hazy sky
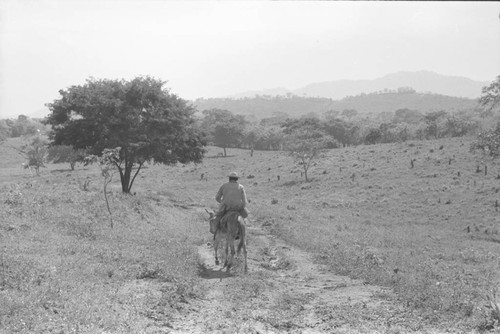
(218, 48)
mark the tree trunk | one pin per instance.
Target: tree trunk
(125, 178)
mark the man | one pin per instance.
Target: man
(232, 197)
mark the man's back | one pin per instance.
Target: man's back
(232, 194)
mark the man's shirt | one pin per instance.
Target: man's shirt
(232, 194)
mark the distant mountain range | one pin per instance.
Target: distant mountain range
(421, 81)
(433, 92)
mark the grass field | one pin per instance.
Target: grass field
(428, 232)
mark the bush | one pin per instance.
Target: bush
(488, 142)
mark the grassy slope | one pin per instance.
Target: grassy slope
(63, 268)
(391, 224)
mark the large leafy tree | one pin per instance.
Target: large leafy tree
(226, 129)
(140, 116)
(341, 130)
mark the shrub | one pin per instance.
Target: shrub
(488, 142)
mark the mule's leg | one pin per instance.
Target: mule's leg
(242, 233)
(243, 244)
(245, 256)
(216, 246)
(226, 264)
(231, 259)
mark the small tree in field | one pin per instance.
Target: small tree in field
(305, 140)
(141, 117)
(488, 142)
(65, 154)
(35, 153)
(107, 161)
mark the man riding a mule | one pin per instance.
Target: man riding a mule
(232, 197)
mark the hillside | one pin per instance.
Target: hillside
(370, 245)
(265, 106)
(421, 81)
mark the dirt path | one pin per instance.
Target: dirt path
(284, 292)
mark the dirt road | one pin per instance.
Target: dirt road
(284, 292)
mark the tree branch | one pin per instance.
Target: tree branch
(137, 172)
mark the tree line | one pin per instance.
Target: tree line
(144, 123)
(261, 106)
(22, 126)
(339, 128)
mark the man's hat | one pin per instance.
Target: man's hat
(233, 174)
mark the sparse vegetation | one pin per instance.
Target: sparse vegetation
(390, 226)
(63, 270)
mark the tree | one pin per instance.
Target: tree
(228, 134)
(275, 120)
(373, 136)
(23, 126)
(251, 135)
(305, 140)
(107, 161)
(331, 114)
(490, 97)
(140, 116)
(341, 130)
(66, 153)
(212, 117)
(226, 128)
(432, 120)
(488, 142)
(349, 113)
(407, 116)
(35, 152)
(271, 138)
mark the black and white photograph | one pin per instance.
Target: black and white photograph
(253, 167)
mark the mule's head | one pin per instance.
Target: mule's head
(212, 220)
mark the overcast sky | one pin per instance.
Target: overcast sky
(219, 48)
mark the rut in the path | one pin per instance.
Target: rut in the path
(303, 289)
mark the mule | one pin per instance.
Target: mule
(232, 225)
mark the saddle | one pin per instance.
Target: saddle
(231, 214)
(227, 215)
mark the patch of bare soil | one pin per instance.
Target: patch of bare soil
(284, 292)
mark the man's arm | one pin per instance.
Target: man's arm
(218, 197)
(243, 196)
